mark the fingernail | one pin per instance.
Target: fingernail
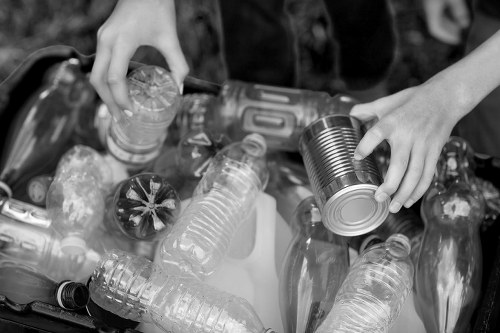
(181, 88)
(409, 202)
(357, 156)
(394, 207)
(381, 197)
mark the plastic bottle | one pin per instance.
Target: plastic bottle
(371, 296)
(224, 196)
(135, 288)
(23, 285)
(135, 137)
(42, 128)
(27, 239)
(314, 267)
(449, 268)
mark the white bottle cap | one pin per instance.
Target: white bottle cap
(73, 245)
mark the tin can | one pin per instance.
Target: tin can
(344, 188)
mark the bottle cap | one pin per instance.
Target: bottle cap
(257, 140)
(73, 245)
(401, 240)
(72, 295)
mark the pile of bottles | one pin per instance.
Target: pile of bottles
(136, 213)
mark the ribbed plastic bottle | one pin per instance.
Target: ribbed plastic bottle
(23, 285)
(223, 198)
(137, 289)
(371, 296)
(315, 265)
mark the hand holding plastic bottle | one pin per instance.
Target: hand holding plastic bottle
(132, 24)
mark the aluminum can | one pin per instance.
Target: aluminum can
(344, 188)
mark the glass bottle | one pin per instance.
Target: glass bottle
(373, 293)
(449, 269)
(135, 137)
(135, 288)
(42, 129)
(23, 285)
(315, 265)
(223, 198)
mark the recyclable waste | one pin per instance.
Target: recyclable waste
(372, 295)
(41, 130)
(449, 268)
(23, 285)
(314, 267)
(135, 137)
(137, 289)
(223, 198)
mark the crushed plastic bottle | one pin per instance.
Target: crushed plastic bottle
(223, 198)
(371, 296)
(135, 288)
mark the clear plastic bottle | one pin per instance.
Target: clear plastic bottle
(137, 289)
(315, 265)
(223, 198)
(135, 137)
(449, 269)
(371, 296)
(23, 285)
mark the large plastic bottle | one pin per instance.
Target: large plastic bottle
(223, 198)
(449, 268)
(375, 289)
(314, 267)
(23, 285)
(135, 137)
(137, 289)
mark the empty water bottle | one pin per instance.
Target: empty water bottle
(371, 297)
(135, 137)
(314, 267)
(137, 289)
(221, 201)
(23, 285)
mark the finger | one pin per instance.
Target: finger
(98, 78)
(117, 74)
(411, 177)
(460, 12)
(176, 61)
(372, 138)
(400, 155)
(426, 178)
(381, 106)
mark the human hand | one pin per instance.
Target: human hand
(416, 123)
(446, 19)
(132, 24)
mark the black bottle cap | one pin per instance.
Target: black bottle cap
(72, 295)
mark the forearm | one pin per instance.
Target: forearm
(472, 78)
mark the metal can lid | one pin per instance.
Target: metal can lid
(354, 211)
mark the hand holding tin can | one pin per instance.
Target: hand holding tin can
(344, 187)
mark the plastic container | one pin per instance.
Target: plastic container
(137, 289)
(372, 295)
(223, 198)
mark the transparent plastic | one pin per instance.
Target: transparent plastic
(315, 265)
(371, 296)
(137, 289)
(135, 137)
(449, 268)
(223, 198)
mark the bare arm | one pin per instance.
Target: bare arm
(417, 122)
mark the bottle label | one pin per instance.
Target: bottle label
(128, 157)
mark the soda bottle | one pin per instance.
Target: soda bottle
(135, 137)
(23, 285)
(315, 265)
(372, 294)
(449, 268)
(223, 198)
(42, 129)
(135, 288)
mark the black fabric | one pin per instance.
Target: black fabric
(489, 7)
